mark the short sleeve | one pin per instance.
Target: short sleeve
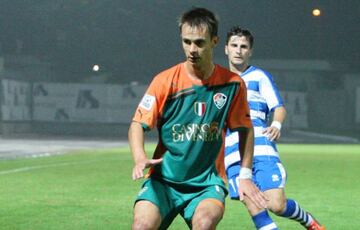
(149, 108)
(269, 92)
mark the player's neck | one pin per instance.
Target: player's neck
(239, 69)
(203, 73)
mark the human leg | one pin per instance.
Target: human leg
(295, 212)
(288, 208)
(277, 200)
(154, 207)
(205, 207)
(268, 173)
(207, 214)
(146, 216)
(260, 217)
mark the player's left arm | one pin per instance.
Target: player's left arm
(273, 132)
(136, 142)
(271, 94)
(145, 118)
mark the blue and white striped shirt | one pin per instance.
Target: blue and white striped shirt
(263, 97)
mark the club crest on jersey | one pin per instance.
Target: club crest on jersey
(219, 100)
(199, 108)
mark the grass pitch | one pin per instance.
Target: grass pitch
(94, 190)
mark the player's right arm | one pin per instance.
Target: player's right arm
(240, 117)
(246, 186)
(145, 118)
(136, 142)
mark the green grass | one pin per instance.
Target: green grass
(94, 190)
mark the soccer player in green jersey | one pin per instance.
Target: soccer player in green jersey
(191, 104)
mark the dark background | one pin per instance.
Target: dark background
(132, 40)
(135, 39)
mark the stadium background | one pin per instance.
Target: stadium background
(48, 50)
(54, 101)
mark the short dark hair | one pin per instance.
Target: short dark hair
(238, 31)
(198, 17)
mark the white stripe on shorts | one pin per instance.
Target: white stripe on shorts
(283, 175)
(265, 150)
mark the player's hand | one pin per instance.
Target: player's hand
(272, 133)
(141, 165)
(248, 188)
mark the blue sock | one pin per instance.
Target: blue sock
(295, 212)
(263, 221)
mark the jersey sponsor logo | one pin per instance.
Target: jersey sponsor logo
(205, 132)
(220, 100)
(199, 108)
(147, 102)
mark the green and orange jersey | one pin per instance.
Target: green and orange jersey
(191, 118)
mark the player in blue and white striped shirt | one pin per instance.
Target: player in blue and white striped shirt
(268, 172)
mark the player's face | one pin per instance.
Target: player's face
(198, 45)
(238, 51)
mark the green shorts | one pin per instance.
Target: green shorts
(178, 199)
